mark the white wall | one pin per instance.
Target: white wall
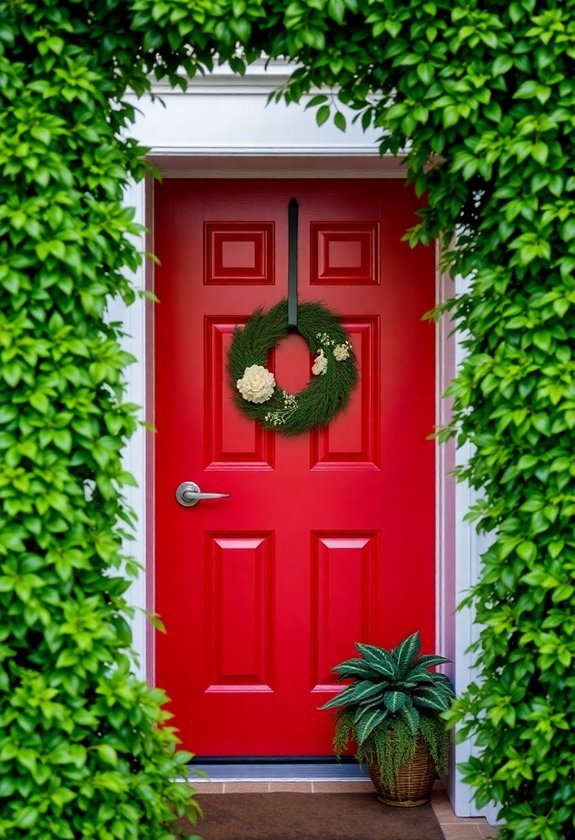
(225, 115)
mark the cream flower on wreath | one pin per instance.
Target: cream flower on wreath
(257, 384)
(341, 351)
(320, 364)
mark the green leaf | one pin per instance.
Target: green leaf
(568, 230)
(108, 754)
(322, 114)
(62, 796)
(8, 413)
(406, 652)
(11, 373)
(63, 440)
(354, 695)
(394, 700)
(341, 699)
(355, 668)
(340, 121)
(410, 716)
(540, 152)
(39, 401)
(156, 622)
(527, 550)
(451, 116)
(7, 788)
(430, 697)
(336, 10)
(431, 660)
(113, 781)
(27, 817)
(364, 690)
(417, 676)
(316, 100)
(502, 64)
(541, 423)
(379, 659)
(241, 27)
(367, 723)
(425, 72)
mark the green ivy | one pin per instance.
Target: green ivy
(481, 94)
(83, 752)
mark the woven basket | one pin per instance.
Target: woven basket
(413, 783)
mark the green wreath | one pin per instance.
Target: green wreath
(334, 369)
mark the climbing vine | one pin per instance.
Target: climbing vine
(82, 750)
(479, 96)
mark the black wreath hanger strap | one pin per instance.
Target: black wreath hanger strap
(293, 217)
(334, 369)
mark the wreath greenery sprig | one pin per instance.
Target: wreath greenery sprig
(334, 369)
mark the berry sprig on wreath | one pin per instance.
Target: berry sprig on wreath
(334, 369)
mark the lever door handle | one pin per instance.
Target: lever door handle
(189, 494)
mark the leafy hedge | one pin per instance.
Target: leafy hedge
(81, 750)
(482, 94)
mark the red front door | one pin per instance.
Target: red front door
(326, 538)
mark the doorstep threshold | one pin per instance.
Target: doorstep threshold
(275, 772)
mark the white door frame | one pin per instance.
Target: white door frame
(221, 128)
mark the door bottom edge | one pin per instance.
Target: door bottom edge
(270, 759)
(277, 772)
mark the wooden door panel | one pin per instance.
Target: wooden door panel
(230, 442)
(352, 440)
(343, 583)
(239, 573)
(344, 253)
(327, 538)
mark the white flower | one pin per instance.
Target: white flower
(257, 384)
(279, 417)
(325, 339)
(320, 363)
(341, 351)
(290, 400)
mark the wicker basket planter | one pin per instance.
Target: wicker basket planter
(413, 783)
(392, 709)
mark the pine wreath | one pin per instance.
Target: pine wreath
(334, 369)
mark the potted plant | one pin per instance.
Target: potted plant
(392, 711)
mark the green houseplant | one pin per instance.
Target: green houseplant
(392, 711)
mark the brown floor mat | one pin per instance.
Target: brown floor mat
(311, 816)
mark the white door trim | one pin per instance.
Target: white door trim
(244, 139)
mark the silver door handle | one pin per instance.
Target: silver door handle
(189, 494)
